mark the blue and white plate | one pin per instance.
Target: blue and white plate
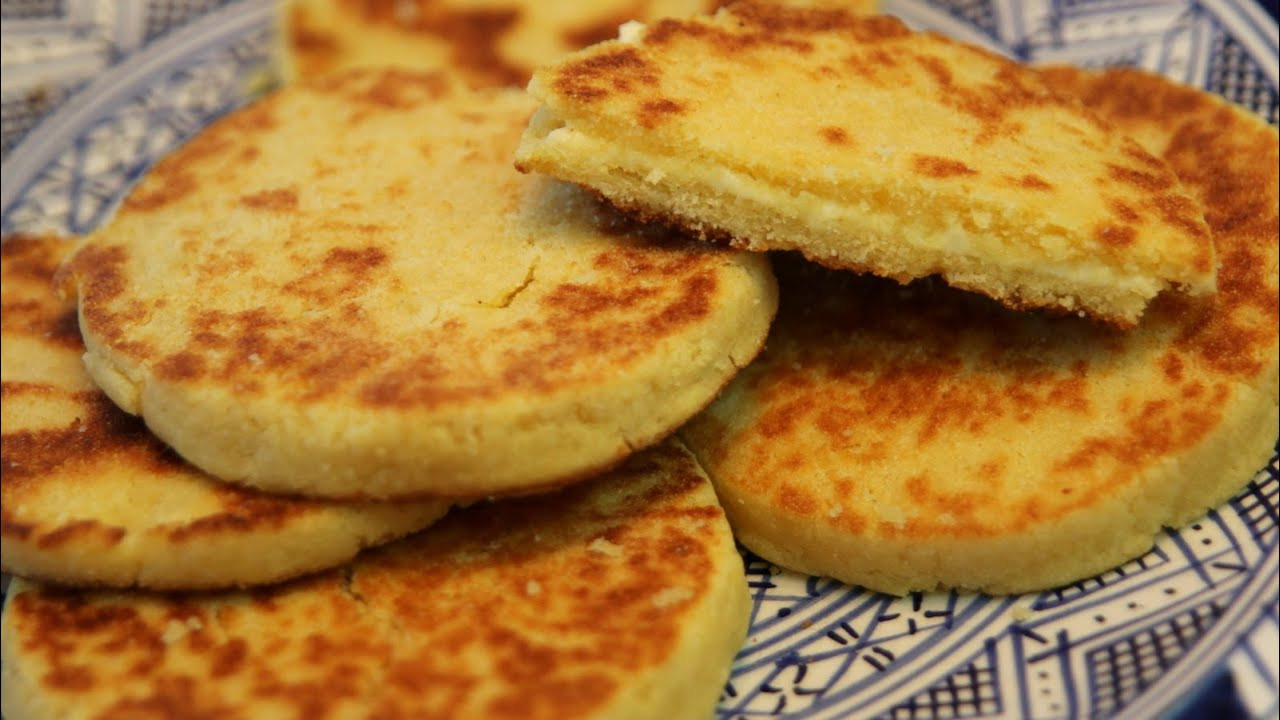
(95, 91)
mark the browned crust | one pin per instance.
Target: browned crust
(539, 608)
(96, 440)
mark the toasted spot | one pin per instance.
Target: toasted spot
(103, 433)
(654, 111)
(780, 419)
(799, 19)
(1146, 181)
(834, 135)
(991, 103)
(1173, 366)
(99, 274)
(1034, 182)
(277, 200)
(80, 531)
(181, 366)
(404, 91)
(940, 167)
(1183, 213)
(1122, 210)
(597, 76)
(32, 258)
(321, 47)
(474, 35)
(47, 320)
(239, 511)
(938, 70)
(796, 500)
(399, 188)
(667, 31)
(589, 300)
(1159, 428)
(1115, 235)
(29, 304)
(341, 272)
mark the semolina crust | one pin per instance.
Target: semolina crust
(914, 438)
(619, 599)
(91, 498)
(360, 333)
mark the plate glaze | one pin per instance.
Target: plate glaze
(94, 92)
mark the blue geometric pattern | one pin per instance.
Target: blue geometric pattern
(119, 92)
(1239, 78)
(973, 691)
(53, 49)
(1121, 671)
(1096, 648)
(91, 149)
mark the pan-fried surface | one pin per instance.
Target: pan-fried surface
(346, 290)
(90, 497)
(914, 438)
(620, 598)
(489, 43)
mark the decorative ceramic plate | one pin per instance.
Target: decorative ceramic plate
(94, 92)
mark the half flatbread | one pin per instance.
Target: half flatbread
(345, 290)
(870, 147)
(918, 438)
(620, 598)
(90, 497)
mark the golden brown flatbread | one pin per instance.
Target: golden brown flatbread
(90, 497)
(620, 598)
(912, 438)
(490, 43)
(870, 147)
(346, 290)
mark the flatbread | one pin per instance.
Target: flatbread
(345, 290)
(870, 147)
(918, 438)
(620, 598)
(490, 43)
(91, 498)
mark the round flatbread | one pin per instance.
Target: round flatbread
(345, 290)
(620, 598)
(90, 497)
(490, 43)
(918, 438)
(870, 147)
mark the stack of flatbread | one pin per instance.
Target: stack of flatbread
(405, 393)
